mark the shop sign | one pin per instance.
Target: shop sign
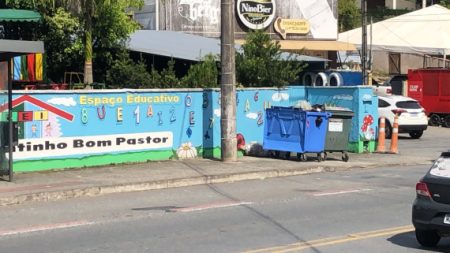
(291, 26)
(196, 10)
(67, 146)
(256, 14)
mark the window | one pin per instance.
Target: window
(382, 103)
(441, 168)
(408, 105)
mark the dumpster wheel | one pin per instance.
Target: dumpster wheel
(276, 154)
(345, 156)
(301, 157)
(287, 155)
(321, 156)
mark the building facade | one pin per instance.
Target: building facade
(290, 20)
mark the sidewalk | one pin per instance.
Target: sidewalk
(66, 184)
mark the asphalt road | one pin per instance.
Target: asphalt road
(361, 210)
(434, 140)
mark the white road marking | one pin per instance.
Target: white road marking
(45, 227)
(340, 192)
(208, 206)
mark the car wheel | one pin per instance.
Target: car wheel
(416, 134)
(435, 120)
(427, 238)
(446, 121)
(388, 130)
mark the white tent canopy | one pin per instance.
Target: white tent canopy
(425, 31)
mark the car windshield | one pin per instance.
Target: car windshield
(410, 104)
(441, 168)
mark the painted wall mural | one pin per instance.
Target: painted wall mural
(58, 129)
(359, 100)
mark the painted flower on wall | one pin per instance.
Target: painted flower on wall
(367, 130)
(186, 151)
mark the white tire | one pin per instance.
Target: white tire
(321, 79)
(309, 78)
(335, 79)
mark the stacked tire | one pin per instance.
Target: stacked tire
(322, 79)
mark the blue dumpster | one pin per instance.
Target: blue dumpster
(292, 129)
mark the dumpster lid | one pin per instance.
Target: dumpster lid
(340, 111)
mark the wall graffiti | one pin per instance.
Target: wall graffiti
(159, 125)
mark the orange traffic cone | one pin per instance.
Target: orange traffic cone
(394, 138)
(381, 136)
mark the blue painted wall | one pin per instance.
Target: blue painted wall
(96, 122)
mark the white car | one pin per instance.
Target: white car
(411, 115)
(382, 90)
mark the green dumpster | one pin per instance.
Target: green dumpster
(338, 132)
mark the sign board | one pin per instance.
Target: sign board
(291, 26)
(202, 17)
(256, 14)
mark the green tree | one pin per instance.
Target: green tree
(445, 3)
(105, 13)
(155, 79)
(63, 45)
(260, 63)
(104, 25)
(125, 73)
(349, 15)
(203, 74)
(169, 78)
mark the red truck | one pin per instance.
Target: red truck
(431, 87)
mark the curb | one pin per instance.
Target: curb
(160, 184)
(93, 191)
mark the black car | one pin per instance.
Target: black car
(431, 208)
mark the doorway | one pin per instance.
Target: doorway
(6, 124)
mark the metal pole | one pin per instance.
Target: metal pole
(228, 88)
(10, 125)
(364, 40)
(157, 15)
(444, 59)
(424, 3)
(370, 47)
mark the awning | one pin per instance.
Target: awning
(425, 32)
(310, 45)
(16, 15)
(11, 48)
(296, 45)
(185, 46)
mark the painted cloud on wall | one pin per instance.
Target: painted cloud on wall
(217, 112)
(62, 101)
(277, 97)
(251, 115)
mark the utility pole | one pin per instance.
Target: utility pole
(364, 40)
(10, 127)
(227, 83)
